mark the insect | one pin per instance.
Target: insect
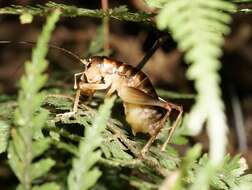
(144, 110)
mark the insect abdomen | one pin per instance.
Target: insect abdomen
(142, 118)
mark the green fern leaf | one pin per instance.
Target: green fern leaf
(4, 136)
(198, 27)
(29, 119)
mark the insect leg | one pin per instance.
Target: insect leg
(75, 107)
(76, 101)
(136, 96)
(90, 86)
(83, 87)
(175, 124)
(75, 79)
(160, 124)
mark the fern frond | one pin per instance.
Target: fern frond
(4, 136)
(198, 27)
(118, 13)
(22, 149)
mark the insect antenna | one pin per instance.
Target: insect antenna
(151, 51)
(52, 46)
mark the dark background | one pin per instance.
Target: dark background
(129, 42)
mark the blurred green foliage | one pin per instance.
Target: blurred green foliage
(93, 150)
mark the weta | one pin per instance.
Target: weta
(144, 110)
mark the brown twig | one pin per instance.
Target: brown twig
(104, 4)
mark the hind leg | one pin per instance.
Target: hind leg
(160, 124)
(75, 107)
(175, 124)
(136, 96)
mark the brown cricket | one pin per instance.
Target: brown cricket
(144, 110)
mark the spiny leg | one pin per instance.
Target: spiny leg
(89, 89)
(75, 107)
(92, 86)
(75, 79)
(77, 96)
(76, 101)
(175, 124)
(136, 96)
(160, 124)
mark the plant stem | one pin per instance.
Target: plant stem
(105, 27)
(73, 11)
